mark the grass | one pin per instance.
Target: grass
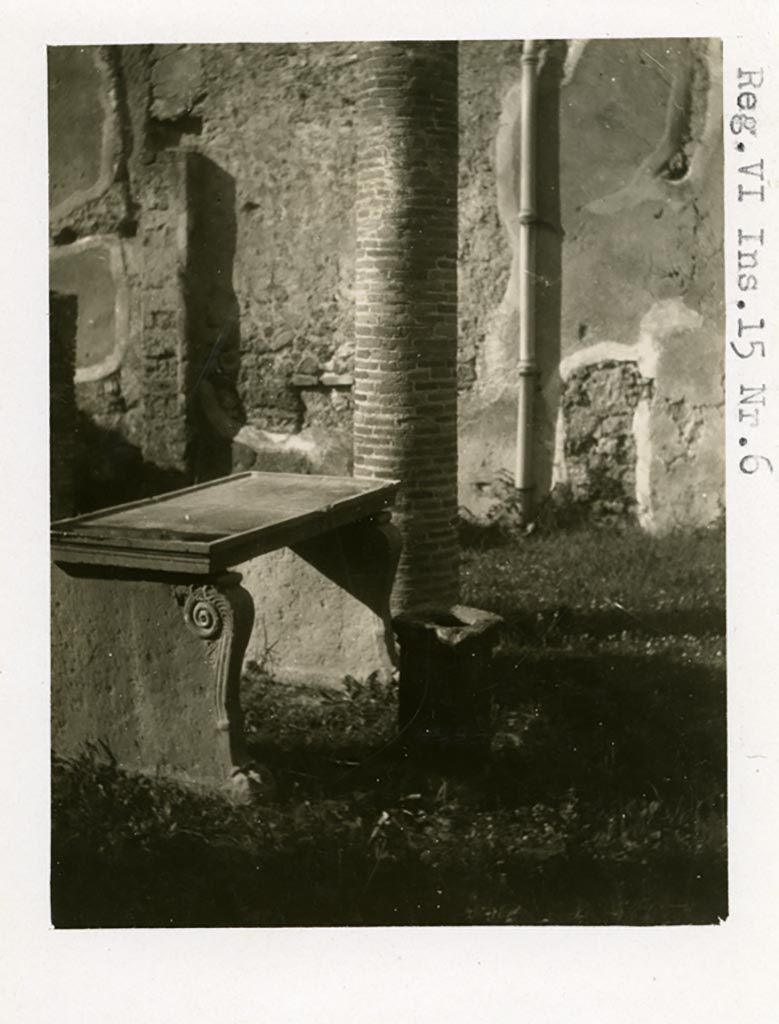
(602, 800)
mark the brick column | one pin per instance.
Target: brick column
(405, 420)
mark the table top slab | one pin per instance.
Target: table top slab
(211, 526)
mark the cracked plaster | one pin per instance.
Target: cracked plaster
(641, 258)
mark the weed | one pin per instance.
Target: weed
(602, 802)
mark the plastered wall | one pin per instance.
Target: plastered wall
(629, 260)
(206, 224)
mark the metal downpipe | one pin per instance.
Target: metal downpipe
(527, 365)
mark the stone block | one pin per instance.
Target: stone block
(150, 667)
(445, 683)
(322, 609)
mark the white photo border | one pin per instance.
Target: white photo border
(718, 973)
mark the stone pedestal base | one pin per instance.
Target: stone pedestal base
(445, 681)
(151, 668)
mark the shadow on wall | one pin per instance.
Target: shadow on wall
(549, 244)
(212, 313)
(109, 470)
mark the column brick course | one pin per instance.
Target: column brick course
(405, 421)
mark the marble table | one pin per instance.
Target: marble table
(150, 621)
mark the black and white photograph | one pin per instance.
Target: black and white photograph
(387, 483)
(408, 436)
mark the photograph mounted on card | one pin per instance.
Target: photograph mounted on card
(388, 457)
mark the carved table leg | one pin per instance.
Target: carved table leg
(221, 614)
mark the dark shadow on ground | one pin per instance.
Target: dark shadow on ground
(614, 728)
(548, 627)
(602, 802)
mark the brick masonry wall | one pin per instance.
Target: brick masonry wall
(405, 418)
